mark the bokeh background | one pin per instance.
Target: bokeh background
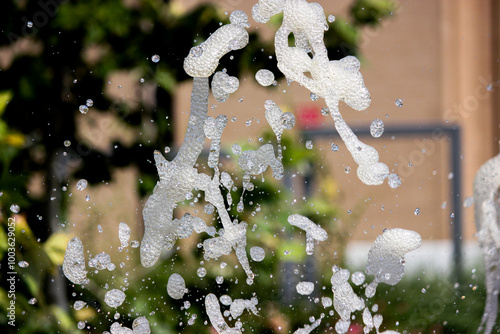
(438, 58)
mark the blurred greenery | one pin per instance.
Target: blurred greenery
(68, 56)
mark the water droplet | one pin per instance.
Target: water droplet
(417, 211)
(81, 325)
(81, 184)
(32, 301)
(305, 288)
(167, 149)
(155, 58)
(334, 147)
(257, 253)
(325, 111)
(236, 149)
(309, 145)
(15, 208)
(394, 180)
(399, 103)
(83, 109)
(23, 264)
(313, 97)
(67, 143)
(78, 305)
(331, 18)
(89, 103)
(468, 202)
(377, 128)
(29, 24)
(219, 279)
(114, 298)
(288, 120)
(347, 169)
(196, 51)
(201, 272)
(264, 77)
(424, 290)
(450, 176)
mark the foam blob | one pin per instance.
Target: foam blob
(386, 256)
(74, 262)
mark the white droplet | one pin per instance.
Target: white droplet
(334, 147)
(155, 58)
(89, 103)
(305, 288)
(83, 109)
(236, 149)
(313, 97)
(399, 103)
(32, 301)
(176, 286)
(78, 305)
(15, 208)
(417, 211)
(264, 77)
(358, 278)
(468, 202)
(201, 272)
(394, 180)
(114, 298)
(81, 184)
(29, 24)
(81, 325)
(257, 253)
(196, 51)
(377, 128)
(23, 264)
(67, 143)
(331, 18)
(288, 120)
(309, 145)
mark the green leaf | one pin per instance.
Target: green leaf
(5, 98)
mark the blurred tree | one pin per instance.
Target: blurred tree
(55, 55)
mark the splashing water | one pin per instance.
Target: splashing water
(334, 81)
(486, 215)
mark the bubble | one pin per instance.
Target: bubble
(89, 103)
(334, 147)
(288, 120)
(135, 244)
(257, 253)
(67, 143)
(155, 58)
(394, 180)
(15, 208)
(23, 264)
(81, 325)
(196, 51)
(416, 212)
(29, 24)
(325, 111)
(209, 209)
(358, 278)
(201, 272)
(309, 145)
(78, 305)
(305, 288)
(313, 97)
(167, 149)
(347, 169)
(114, 298)
(264, 77)
(81, 184)
(226, 300)
(219, 279)
(32, 301)
(83, 109)
(176, 286)
(468, 202)
(331, 18)
(377, 128)
(326, 301)
(399, 103)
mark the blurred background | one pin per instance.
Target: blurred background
(81, 97)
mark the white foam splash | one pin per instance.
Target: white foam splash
(313, 231)
(74, 262)
(486, 215)
(386, 256)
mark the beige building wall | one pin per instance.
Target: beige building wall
(441, 59)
